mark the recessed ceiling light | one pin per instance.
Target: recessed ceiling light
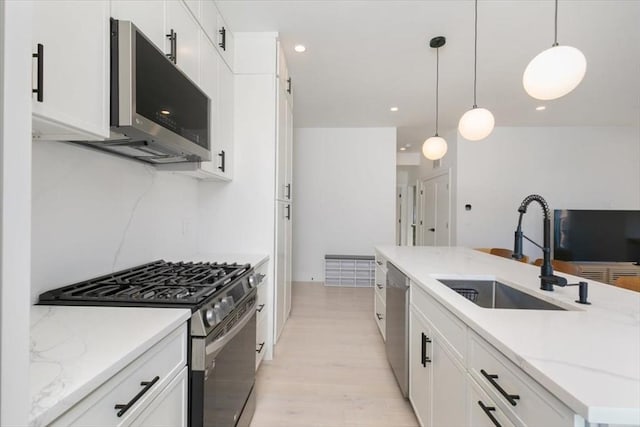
(402, 148)
(300, 48)
(407, 145)
(393, 109)
(540, 108)
(165, 112)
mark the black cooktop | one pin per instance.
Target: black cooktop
(158, 283)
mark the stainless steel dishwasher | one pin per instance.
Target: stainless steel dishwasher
(397, 321)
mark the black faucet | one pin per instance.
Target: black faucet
(547, 278)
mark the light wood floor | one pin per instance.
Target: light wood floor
(330, 367)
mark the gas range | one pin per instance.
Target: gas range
(214, 292)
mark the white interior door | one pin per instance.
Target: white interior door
(428, 213)
(443, 198)
(435, 207)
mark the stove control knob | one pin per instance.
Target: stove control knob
(210, 317)
(217, 311)
(225, 308)
(253, 281)
(228, 303)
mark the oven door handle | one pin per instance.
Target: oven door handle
(215, 346)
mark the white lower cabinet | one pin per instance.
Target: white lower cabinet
(521, 397)
(168, 409)
(380, 311)
(449, 386)
(438, 382)
(420, 369)
(380, 294)
(483, 412)
(262, 310)
(282, 266)
(456, 378)
(151, 390)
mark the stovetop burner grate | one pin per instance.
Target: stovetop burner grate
(158, 282)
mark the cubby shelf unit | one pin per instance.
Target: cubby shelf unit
(349, 270)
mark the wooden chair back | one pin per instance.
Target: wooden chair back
(507, 253)
(562, 266)
(629, 282)
(485, 250)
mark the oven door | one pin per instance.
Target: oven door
(227, 382)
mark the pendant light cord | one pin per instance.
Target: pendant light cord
(437, 81)
(475, 54)
(555, 33)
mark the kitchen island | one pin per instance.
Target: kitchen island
(585, 356)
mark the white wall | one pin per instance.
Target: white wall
(572, 168)
(344, 182)
(95, 213)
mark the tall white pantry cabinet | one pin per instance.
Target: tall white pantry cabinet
(263, 82)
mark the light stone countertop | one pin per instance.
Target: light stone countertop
(588, 357)
(76, 349)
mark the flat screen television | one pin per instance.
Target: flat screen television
(596, 235)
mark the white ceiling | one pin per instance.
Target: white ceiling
(365, 56)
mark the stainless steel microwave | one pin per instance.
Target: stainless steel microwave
(158, 115)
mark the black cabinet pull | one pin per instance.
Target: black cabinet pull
(425, 359)
(379, 262)
(379, 316)
(432, 229)
(288, 193)
(487, 410)
(289, 85)
(147, 385)
(288, 215)
(379, 285)
(259, 349)
(222, 156)
(259, 309)
(39, 90)
(223, 38)
(511, 398)
(173, 46)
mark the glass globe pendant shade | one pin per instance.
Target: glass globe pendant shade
(554, 72)
(434, 148)
(476, 124)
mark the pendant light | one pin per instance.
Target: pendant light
(477, 123)
(556, 71)
(435, 147)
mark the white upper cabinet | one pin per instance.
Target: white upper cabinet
(195, 6)
(284, 146)
(170, 25)
(283, 75)
(72, 73)
(181, 24)
(216, 80)
(217, 30)
(147, 15)
(225, 41)
(224, 119)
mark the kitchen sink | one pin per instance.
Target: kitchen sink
(494, 294)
